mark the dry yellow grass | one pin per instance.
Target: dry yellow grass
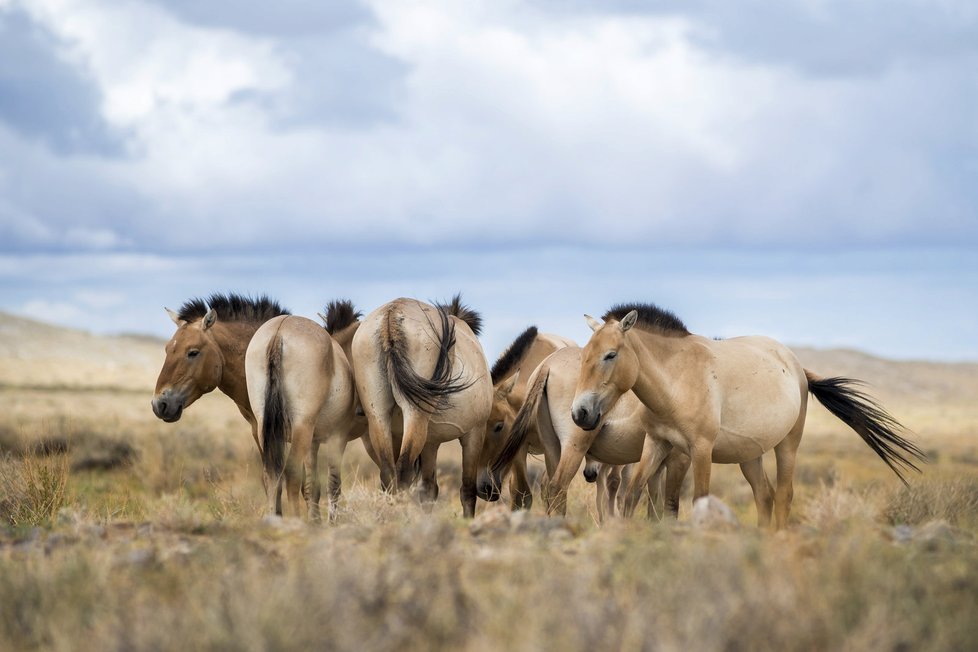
(170, 549)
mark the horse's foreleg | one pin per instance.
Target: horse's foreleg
(677, 465)
(654, 452)
(428, 491)
(654, 490)
(415, 438)
(521, 496)
(571, 456)
(702, 454)
(471, 449)
(763, 491)
(601, 492)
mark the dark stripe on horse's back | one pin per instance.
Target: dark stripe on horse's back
(340, 313)
(511, 358)
(463, 312)
(650, 316)
(232, 307)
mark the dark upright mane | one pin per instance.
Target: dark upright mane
(650, 317)
(511, 357)
(340, 313)
(232, 307)
(463, 312)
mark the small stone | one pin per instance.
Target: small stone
(711, 513)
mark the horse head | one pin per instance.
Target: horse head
(609, 368)
(192, 368)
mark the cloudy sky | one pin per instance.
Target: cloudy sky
(806, 169)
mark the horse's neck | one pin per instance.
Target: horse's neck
(655, 385)
(345, 339)
(232, 339)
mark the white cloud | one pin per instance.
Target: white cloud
(512, 124)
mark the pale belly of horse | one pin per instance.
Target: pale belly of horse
(615, 445)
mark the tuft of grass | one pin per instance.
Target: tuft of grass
(954, 500)
(34, 489)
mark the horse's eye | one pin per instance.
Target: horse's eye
(498, 427)
(610, 355)
(193, 353)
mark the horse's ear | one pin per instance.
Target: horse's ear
(628, 321)
(592, 322)
(209, 319)
(507, 385)
(175, 317)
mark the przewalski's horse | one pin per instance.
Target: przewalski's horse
(547, 409)
(721, 400)
(301, 389)
(421, 370)
(510, 375)
(207, 352)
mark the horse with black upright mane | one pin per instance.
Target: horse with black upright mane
(726, 401)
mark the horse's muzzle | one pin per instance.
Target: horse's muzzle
(487, 487)
(167, 408)
(586, 419)
(590, 474)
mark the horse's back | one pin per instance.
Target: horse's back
(762, 394)
(417, 326)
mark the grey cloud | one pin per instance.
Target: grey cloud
(832, 38)
(45, 98)
(282, 18)
(338, 81)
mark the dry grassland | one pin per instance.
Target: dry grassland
(122, 532)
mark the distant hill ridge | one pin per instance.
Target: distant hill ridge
(37, 354)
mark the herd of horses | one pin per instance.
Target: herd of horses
(642, 402)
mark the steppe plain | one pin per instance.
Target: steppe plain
(118, 531)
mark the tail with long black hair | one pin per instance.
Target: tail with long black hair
(869, 419)
(525, 418)
(427, 394)
(275, 418)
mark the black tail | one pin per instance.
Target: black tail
(870, 421)
(525, 418)
(426, 394)
(465, 313)
(275, 419)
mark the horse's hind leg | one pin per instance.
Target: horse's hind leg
(428, 491)
(311, 489)
(335, 447)
(785, 453)
(413, 443)
(297, 463)
(761, 486)
(471, 449)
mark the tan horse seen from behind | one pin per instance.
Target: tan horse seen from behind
(420, 370)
